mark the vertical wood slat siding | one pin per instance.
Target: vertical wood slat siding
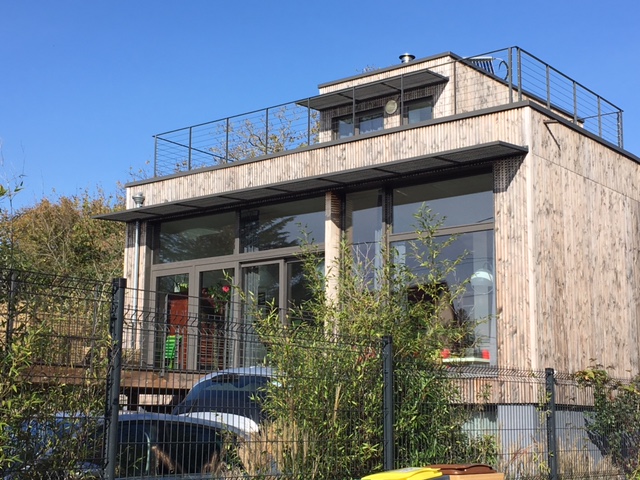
(512, 266)
(598, 308)
(567, 239)
(582, 207)
(377, 150)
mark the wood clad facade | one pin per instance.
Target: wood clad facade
(566, 213)
(567, 243)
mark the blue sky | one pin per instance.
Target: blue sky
(84, 85)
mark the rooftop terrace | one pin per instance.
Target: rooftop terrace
(297, 124)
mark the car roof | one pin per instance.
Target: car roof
(151, 417)
(246, 371)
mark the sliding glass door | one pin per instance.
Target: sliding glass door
(261, 286)
(215, 318)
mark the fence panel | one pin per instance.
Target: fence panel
(289, 399)
(53, 364)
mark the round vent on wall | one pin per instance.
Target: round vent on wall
(391, 107)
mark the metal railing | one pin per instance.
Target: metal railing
(297, 124)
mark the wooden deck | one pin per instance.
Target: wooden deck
(148, 388)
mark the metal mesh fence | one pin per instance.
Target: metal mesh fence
(230, 393)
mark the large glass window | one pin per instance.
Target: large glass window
(477, 303)
(174, 322)
(364, 219)
(282, 225)
(461, 201)
(197, 237)
(215, 315)
(261, 284)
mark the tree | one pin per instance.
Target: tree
(62, 237)
(330, 384)
(278, 130)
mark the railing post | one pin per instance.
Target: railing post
(190, 147)
(519, 53)
(599, 116)
(402, 95)
(620, 138)
(575, 103)
(308, 122)
(552, 443)
(266, 132)
(226, 148)
(387, 403)
(510, 60)
(548, 75)
(353, 110)
(116, 324)
(155, 155)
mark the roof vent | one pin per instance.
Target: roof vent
(406, 57)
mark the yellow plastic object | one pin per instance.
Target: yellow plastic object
(409, 473)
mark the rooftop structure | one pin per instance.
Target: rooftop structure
(295, 125)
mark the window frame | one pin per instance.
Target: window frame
(417, 103)
(355, 122)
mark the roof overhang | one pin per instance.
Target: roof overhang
(484, 153)
(381, 88)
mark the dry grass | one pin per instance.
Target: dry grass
(278, 447)
(574, 461)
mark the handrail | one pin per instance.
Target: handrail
(291, 125)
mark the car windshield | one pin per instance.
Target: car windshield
(157, 446)
(227, 393)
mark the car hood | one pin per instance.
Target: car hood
(235, 423)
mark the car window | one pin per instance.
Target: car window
(134, 449)
(231, 382)
(134, 453)
(190, 448)
(152, 447)
(233, 394)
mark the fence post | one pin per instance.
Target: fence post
(552, 444)
(387, 402)
(13, 291)
(116, 324)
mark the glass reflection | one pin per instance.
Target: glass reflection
(461, 201)
(198, 237)
(282, 225)
(477, 303)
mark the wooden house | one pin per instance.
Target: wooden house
(526, 164)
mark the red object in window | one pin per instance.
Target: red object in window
(446, 353)
(486, 355)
